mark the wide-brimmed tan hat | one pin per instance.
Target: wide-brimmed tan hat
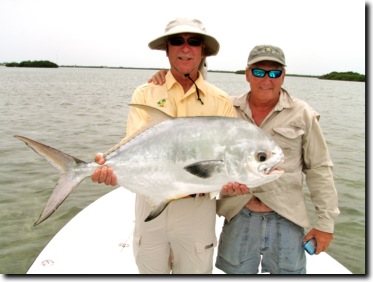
(266, 53)
(182, 25)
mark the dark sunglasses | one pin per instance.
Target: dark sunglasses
(262, 73)
(192, 41)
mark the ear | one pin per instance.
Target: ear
(247, 73)
(283, 76)
(203, 50)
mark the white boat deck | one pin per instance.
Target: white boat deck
(99, 241)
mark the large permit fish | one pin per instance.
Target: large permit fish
(170, 158)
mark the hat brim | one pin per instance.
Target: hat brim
(211, 44)
(264, 58)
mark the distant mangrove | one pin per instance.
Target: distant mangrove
(33, 64)
(348, 76)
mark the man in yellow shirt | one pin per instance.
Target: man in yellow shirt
(182, 238)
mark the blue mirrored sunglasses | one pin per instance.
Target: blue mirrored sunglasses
(192, 41)
(262, 73)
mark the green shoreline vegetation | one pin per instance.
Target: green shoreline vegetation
(33, 64)
(345, 76)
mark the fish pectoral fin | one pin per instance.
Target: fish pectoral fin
(205, 169)
(157, 210)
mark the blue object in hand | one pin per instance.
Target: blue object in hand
(310, 246)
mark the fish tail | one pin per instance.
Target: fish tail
(72, 171)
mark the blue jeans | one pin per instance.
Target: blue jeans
(250, 235)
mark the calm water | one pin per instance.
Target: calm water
(83, 111)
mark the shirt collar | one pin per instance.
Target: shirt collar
(284, 102)
(170, 80)
(200, 82)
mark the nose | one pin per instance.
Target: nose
(185, 46)
(266, 78)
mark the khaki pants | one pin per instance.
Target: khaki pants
(180, 240)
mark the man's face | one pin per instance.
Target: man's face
(265, 87)
(185, 53)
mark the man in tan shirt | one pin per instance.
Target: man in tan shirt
(270, 220)
(182, 238)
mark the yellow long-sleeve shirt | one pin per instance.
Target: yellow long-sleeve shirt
(171, 99)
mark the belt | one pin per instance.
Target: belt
(195, 195)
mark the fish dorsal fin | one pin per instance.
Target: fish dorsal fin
(156, 116)
(205, 169)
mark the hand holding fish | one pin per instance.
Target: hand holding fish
(104, 174)
(232, 189)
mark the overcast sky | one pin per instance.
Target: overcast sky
(317, 36)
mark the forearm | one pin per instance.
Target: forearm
(324, 196)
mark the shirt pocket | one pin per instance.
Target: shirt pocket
(289, 139)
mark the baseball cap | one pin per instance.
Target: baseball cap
(266, 53)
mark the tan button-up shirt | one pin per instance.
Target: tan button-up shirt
(294, 126)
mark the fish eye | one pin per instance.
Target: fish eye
(261, 156)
